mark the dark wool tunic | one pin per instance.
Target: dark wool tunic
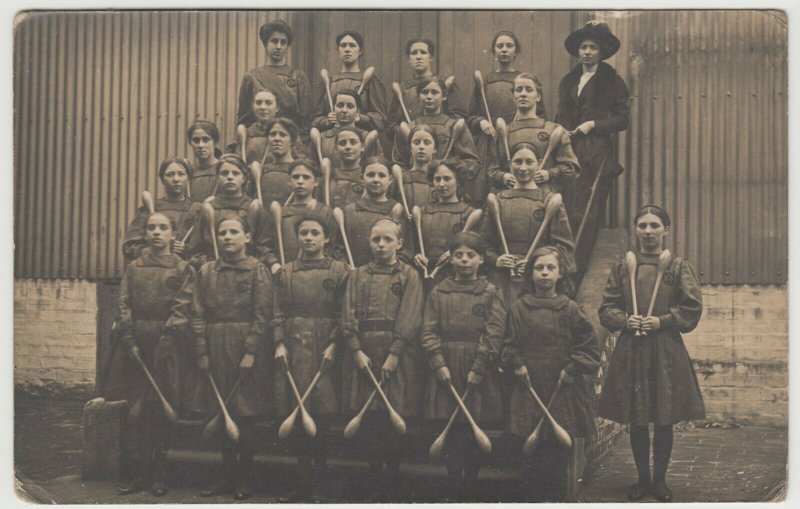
(650, 378)
(231, 310)
(417, 187)
(292, 90)
(604, 99)
(474, 182)
(440, 223)
(308, 298)
(292, 213)
(382, 314)
(154, 306)
(547, 336)
(226, 208)
(522, 213)
(347, 186)
(275, 184)
(183, 215)
(203, 182)
(358, 218)
(373, 100)
(463, 330)
(562, 165)
(328, 146)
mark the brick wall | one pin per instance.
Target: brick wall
(740, 353)
(55, 326)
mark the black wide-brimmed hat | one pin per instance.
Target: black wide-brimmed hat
(597, 31)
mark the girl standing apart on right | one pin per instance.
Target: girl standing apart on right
(650, 376)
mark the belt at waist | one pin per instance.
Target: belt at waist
(375, 325)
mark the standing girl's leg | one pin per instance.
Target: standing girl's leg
(244, 471)
(640, 446)
(662, 450)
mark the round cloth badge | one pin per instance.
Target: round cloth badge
(669, 278)
(291, 82)
(172, 283)
(543, 137)
(397, 289)
(243, 287)
(358, 188)
(329, 285)
(539, 215)
(478, 310)
(564, 321)
(457, 228)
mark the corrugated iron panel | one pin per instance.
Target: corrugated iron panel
(100, 99)
(708, 137)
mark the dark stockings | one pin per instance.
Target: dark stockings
(662, 450)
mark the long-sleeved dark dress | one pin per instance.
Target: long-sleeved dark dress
(373, 110)
(548, 335)
(231, 311)
(605, 100)
(650, 378)
(291, 88)
(463, 329)
(203, 182)
(292, 213)
(382, 314)
(358, 217)
(307, 313)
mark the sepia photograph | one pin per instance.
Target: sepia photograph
(384, 255)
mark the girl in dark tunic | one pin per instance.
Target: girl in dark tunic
(308, 297)
(282, 136)
(529, 127)
(289, 84)
(499, 86)
(549, 342)
(182, 212)
(372, 108)
(462, 333)
(432, 95)
(265, 108)
(231, 311)
(304, 176)
(420, 53)
(204, 138)
(154, 301)
(373, 204)
(346, 181)
(230, 199)
(650, 377)
(424, 145)
(522, 212)
(593, 104)
(347, 112)
(442, 219)
(381, 319)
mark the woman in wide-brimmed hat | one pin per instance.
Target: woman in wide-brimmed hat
(592, 105)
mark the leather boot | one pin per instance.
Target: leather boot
(136, 481)
(224, 482)
(160, 486)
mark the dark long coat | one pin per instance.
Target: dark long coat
(650, 378)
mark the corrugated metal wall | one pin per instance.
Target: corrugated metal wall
(101, 98)
(708, 136)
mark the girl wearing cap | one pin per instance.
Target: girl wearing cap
(204, 138)
(346, 110)
(593, 103)
(462, 332)
(290, 85)
(372, 107)
(154, 301)
(529, 127)
(182, 212)
(433, 94)
(522, 213)
(650, 378)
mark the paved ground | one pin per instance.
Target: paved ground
(723, 465)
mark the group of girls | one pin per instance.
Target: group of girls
(302, 262)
